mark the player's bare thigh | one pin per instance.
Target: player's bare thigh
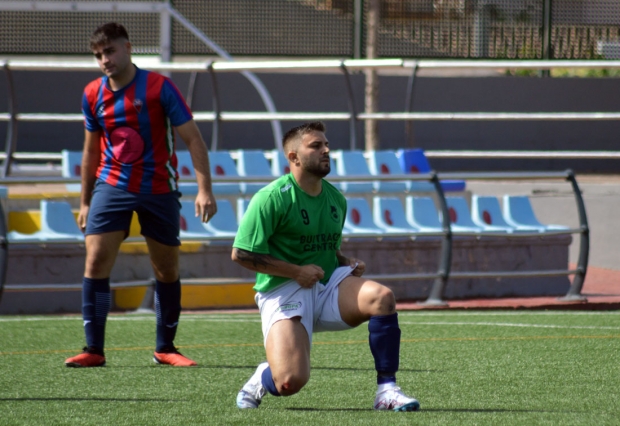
(101, 252)
(288, 355)
(164, 260)
(360, 298)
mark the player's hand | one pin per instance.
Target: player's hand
(82, 216)
(358, 265)
(206, 206)
(309, 275)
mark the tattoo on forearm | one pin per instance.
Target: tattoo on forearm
(257, 260)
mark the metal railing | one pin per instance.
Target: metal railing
(217, 116)
(443, 273)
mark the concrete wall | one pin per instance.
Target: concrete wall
(61, 92)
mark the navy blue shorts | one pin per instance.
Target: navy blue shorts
(111, 210)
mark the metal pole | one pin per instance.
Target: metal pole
(358, 13)
(409, 106)
(547, 52)
(574, 293)
(435, 297)
(215, 134)
(352, 111)
(11, 131)
(4, 250)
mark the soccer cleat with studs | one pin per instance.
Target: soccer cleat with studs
(172, 357)
(394, 399)
(90, 357)
(252, 393)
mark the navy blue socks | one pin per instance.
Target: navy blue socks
(95, 307)
(267, 381)
(167, 311)
(384, 339)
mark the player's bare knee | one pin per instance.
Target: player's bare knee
(291, 385)
(383, 301)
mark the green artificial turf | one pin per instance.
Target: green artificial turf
(466, 368)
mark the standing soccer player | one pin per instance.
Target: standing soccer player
(290, 236)
(129, 164)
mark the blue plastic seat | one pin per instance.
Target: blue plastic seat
(242, 206)
(192, 226)
(185, 167)
(518, 212)
(252, 162)
(414, 161)
(385, 163)
(224, 222)
(421, 213)
(359, 218)
(460, 216)
(352, 163)
(279, 163)
(222, 164)
(57, 224)
(389, 215)
(487, 213)
(71, 167)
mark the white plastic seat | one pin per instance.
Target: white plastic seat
(352, 163)
(222, 164)
(389, 215)
(460, 216)
(71, 167)
(57, 224)
(359, 218)
(252, 162)
(518, 212)
(224, 222)
(421, 213)
(487, 213)
(386, 163)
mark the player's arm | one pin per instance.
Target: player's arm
(358, 265)
(306, 275)
(206, 206)
(91, 156)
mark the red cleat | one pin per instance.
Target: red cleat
(173, 358)
(88, 358)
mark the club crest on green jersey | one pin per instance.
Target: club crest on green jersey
(333, 212)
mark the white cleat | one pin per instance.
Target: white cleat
(252, 392)
(394, 399)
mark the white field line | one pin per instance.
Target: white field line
(507, 324)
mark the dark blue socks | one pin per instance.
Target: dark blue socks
(167, 311)
(267, 381)
(384, 339)
(95, 307)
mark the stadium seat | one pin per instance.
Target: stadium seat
(222, 164)
(224, 222)
(71, 167)
(191, 226)
(252, 162)
(57, 224)
(242, 206)
(359, 218)
(385, 163)
(352, 163)
(389, 215)
(414, 161)
(422, 214)
(185, 167)
(460, 216)
(279, 163)
(518, 212)
(486, 213)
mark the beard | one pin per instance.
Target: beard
(318, 169)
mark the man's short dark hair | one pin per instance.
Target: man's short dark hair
(107, 33)
(296, 133)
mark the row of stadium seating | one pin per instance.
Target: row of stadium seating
(387, 215)
(274, 164)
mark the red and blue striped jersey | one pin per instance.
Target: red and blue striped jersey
(137, 137)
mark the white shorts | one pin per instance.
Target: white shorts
(317, 306)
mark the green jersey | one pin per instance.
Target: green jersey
(282, 220)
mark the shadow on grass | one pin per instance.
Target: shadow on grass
(439, 410)
(26, 399)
